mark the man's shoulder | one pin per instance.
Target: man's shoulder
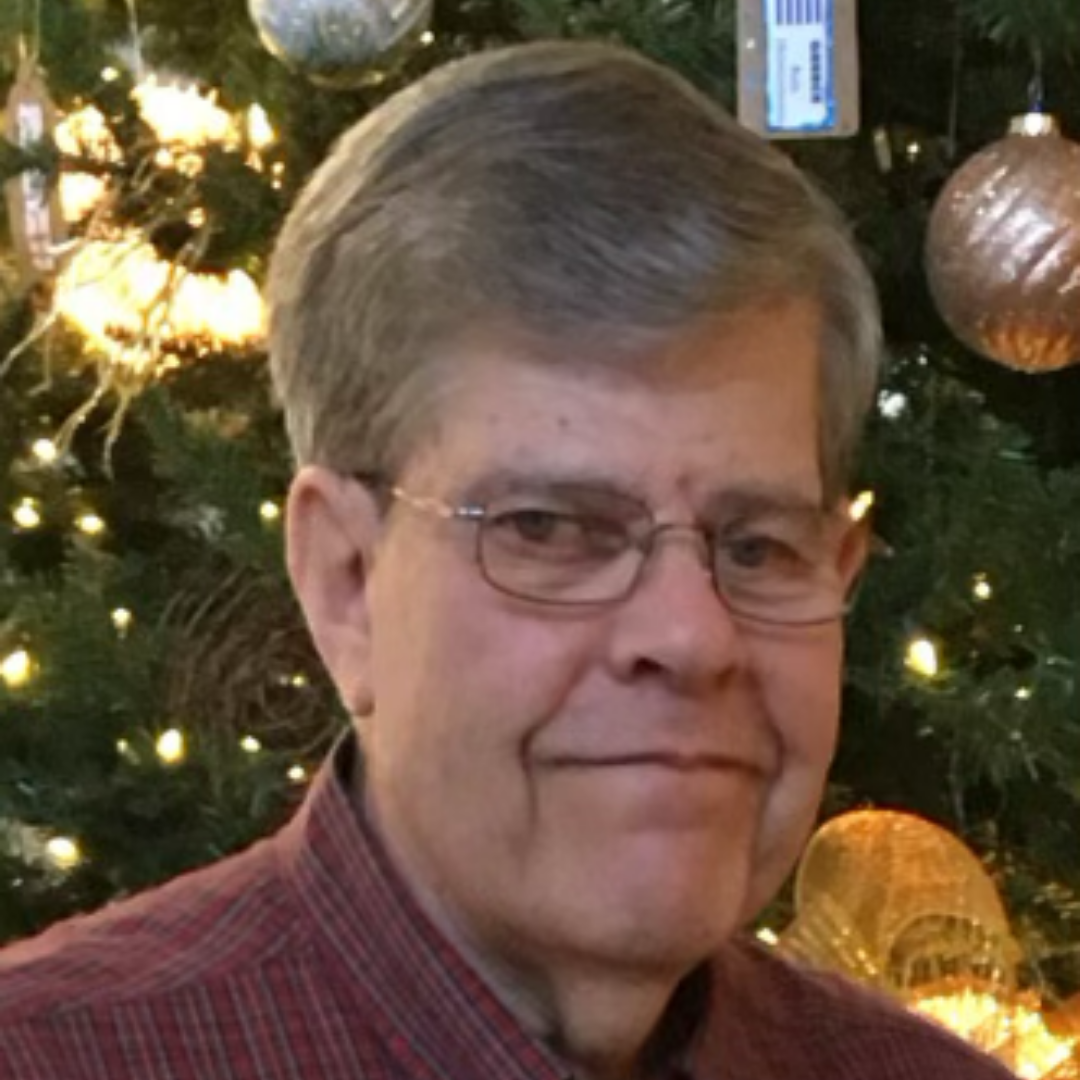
(845, 1029)
(197, 928)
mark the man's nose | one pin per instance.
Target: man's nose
(675, 626)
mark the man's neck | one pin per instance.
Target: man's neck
(599, 1021)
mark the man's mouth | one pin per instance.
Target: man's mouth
(675, 760)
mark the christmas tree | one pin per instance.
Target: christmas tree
(160, 704)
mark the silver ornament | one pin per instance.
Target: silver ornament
(337, 43)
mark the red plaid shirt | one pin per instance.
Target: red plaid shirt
(306, 958)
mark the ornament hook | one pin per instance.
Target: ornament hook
(29, 39)
(1036, 87)
(137, 62)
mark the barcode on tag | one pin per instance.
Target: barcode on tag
(798, 67)
(799, 39)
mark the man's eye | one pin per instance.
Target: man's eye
(760, 552)
(580, 535)
(535, 526)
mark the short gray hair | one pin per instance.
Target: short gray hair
(575, 192)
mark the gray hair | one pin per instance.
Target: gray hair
(575, 193)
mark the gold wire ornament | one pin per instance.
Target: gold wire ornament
(139, 314)
(893, 898)
(897, 902)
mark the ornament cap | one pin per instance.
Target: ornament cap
(1034, 124)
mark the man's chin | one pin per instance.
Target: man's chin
(653, 934)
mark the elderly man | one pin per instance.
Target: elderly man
(573, 368)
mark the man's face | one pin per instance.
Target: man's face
(626, 783)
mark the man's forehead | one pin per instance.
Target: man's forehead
(752, 418)
(693, 356)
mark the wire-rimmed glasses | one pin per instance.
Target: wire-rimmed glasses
(578, 546)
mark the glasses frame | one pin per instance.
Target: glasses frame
(478, 514)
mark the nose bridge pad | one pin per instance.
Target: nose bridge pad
(688, 532)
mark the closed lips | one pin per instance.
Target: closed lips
(671, 759)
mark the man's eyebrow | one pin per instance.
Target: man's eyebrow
(509, 480)
(763, 499)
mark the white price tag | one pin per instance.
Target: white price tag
(798, 67)
(798, 35)
(37, 224)
(30, 124)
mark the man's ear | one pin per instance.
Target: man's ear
(854, 551)
(332, 527)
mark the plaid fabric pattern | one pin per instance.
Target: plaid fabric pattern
(306, 958)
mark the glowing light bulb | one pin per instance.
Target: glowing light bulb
(1014, 1031)
(122, 620)
(126, 751)
(982, 589)
(270, 511)
(861, 505)
(892, 405)
(768, 936)
(63, 852)
(16, 669)
(109, 74)
(260, 131)
(85, 133)
(249, 744)
(427, 38)
(1024, 693)
(27, 515)
(297, 774)
(183, 116)
(90, 524)
(299, 681)
(45, 450)
(170, 747)
(922, 657)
